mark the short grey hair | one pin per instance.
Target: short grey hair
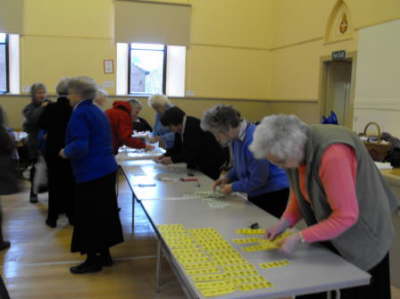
(159, 100)
(221, 118)
(86, 87)
(62, 87)
(282, 136)
(136, 103)
(35, 87)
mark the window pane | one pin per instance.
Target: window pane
(147, 69)
(2, 37)
(147, 46)
(3, 69)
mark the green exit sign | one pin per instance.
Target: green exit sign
(339, 55)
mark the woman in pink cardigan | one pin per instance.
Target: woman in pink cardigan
(339, 192)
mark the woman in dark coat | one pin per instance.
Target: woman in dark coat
(54, 121)
(8, 166)
(32, 113)
(97, 226)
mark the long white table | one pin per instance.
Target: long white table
(311, 269)
(150, 180)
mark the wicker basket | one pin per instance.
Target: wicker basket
(374, 144)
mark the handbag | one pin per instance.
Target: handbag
(40, 177)
(377, 148)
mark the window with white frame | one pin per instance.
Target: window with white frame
(4, 74)
(145, 69)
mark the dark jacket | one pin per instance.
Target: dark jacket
(32, 113)
(54, 120)
(8, 166)
(141, 125)
(199, 149)
(61, 183)
(121, 126)
(89, 143)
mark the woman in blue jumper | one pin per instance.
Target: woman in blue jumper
(160, 103)
(265, 184)
(89, 147)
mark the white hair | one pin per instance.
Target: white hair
(35, 87)
(86, 87)
(221, 118)
(101, 93)
(281, 136)
(158, 100)
(62, 87)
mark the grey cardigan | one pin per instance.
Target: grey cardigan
(367, 242)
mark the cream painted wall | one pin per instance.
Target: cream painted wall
(377, 95)
(229, 72)
(63, 39)
(298, 42)
(48, 59)
(66, 38)
(300, 65)
(229, 55)
(234, 23)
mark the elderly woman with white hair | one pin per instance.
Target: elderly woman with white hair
(265, 184)
(337, 189)
(160, 103)
(97, 226)
(100, 100)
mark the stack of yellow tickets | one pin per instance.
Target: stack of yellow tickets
(215, 267)
(259, 243)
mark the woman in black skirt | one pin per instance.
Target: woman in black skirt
(97, 226)
(54, 121)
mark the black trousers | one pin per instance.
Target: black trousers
(379, 288)
(273, 203)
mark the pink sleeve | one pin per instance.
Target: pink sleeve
(338, 175)
(292, 213)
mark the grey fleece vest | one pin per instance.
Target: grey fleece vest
(367, 242)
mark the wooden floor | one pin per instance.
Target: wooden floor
(37, 264)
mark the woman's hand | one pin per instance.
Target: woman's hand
(277, 229)
(291, 243)
(149, 147)
(226, 189)
(62, 154)
(153, 139)
(220, 182)
(166, 160)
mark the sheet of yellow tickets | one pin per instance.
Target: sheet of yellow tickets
(250, 231)
(214, 265)
(246, 241)
(275, 264)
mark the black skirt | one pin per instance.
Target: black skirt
(97, 224)
(61, 187)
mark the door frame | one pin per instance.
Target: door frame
(348, 117)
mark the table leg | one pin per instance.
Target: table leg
(158, 266)
(133, 212)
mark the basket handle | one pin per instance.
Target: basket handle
(377, 127)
